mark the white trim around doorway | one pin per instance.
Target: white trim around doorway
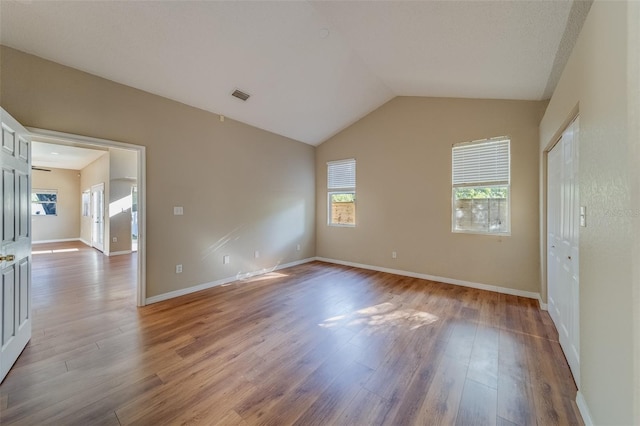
(51, 136)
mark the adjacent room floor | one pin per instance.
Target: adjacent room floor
(316, 344)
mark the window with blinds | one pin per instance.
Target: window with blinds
(481, 178)
(341, 192)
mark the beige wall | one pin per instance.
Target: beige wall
(66, 225)
(633, 118)
(93, 174)
(403, 154)
(597, 79)
(242, 189)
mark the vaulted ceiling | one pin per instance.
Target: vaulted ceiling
(311, 68)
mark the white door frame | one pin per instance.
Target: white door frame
(61, 138)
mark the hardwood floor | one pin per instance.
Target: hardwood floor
(317, 344)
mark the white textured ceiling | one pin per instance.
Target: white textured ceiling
(63, 156)
(312, 68)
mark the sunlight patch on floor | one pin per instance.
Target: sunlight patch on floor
(380, 316)
(264, 277)
(54, 251)
(252, 277)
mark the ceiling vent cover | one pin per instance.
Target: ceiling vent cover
(240, 95)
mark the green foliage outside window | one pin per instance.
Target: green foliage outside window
(343, 198)
(480, 193)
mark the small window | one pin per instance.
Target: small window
(341, 189)
(86, 200)
(44, 202)
(481, 185)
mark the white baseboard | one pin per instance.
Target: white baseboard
(584, 409)
(117, 253)
(87, 243)
(543, 305)
(61, 240)
(488, 287)
(184, 291)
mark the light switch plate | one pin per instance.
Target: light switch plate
(178, 211)
(583, 216)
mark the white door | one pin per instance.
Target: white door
(563, 212)
(134, 218)
(97, 216)
(554, 232)
(15, 247)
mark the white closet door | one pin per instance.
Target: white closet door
(563, 210)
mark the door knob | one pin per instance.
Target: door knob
(569, 257)
(8, 258)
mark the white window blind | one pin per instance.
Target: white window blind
(341, 174)
(481, 163)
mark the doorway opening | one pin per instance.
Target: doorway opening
(111, 196)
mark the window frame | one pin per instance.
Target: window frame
(495, 179)
(337, 189)
(47, 192)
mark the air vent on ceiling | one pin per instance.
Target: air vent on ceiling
(240, 95)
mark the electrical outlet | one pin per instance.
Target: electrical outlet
(114, 239)
(178, 269)
(225, 259)
(298, 247)
(256, 254)
(178, 210)
(394, 255)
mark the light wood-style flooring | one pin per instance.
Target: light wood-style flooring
(316, 344)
